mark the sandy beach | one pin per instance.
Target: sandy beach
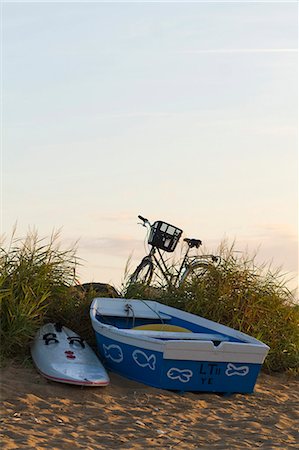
(37, 414)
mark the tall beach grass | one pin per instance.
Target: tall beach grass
(34, 273)
(38, 284)
(243, 295)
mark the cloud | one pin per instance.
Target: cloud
(280, 231)
(114, 246)
(273, 244)
(111, 217)
(241, 50)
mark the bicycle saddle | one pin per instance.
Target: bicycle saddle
(193, 242)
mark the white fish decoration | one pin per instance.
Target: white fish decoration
(183, 375)
(234, 370)
(113, 352)
(143, 360)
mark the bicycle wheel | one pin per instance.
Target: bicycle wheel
(195, 272)
(144, 272)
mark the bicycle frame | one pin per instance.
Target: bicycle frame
(170, 278)
(187, 262)
(156, 259)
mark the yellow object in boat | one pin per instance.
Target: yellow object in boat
(162, 327)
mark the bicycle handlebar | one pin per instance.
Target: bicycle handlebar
(143, 219)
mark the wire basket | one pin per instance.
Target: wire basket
(164, 236)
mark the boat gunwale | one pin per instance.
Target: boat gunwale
(193, 318)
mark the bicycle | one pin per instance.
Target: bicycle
(164, 237)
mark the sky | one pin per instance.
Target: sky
(183, 112)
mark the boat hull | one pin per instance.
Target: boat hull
(229, 362)
(149, 367)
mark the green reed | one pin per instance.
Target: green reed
(245, 296)
(38, 284)
(33, 273)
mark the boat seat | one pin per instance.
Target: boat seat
(162, 327)
(175, 335)
(146, 314)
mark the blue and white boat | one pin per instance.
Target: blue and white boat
(167, 348)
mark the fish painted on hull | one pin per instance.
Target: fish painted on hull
(168, 348)
(143, 360)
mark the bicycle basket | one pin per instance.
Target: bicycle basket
(164, 236)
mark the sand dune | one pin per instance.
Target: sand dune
(37, 414)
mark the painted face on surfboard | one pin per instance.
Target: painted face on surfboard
(64, 357)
